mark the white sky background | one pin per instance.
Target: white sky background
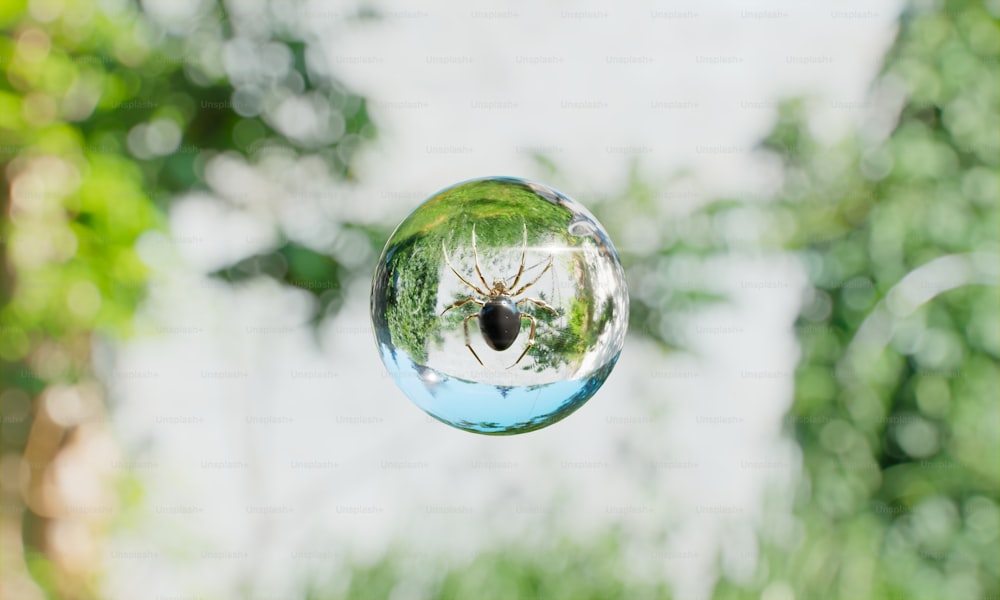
(460, 92)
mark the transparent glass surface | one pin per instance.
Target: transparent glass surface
(499, 306)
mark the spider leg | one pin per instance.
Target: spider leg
(524, 252)
(539, 303)
(458, 303)
(475, 254)
(457, 274)
(531, 339)
(534, 281)
(468, 343)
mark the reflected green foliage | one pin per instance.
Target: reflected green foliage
(556, 347)
(499, 211)
(585, 323)
(896, 395)
(505, 205)
(412, 312)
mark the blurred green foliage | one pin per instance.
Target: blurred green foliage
(895, 401)
(666, 275)
(562, 571)
(106, 126)
(107, 114)
(298, 266)
(125, 125)
(895, 404)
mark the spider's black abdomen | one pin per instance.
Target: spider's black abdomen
(500, 322)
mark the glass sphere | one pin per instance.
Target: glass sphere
(499, 306)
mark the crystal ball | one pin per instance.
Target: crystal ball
(499, 306)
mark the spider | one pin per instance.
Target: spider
(499, 315)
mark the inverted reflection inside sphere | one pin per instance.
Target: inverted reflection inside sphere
(499, 306)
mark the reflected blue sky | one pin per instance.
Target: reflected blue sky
(483, 408)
